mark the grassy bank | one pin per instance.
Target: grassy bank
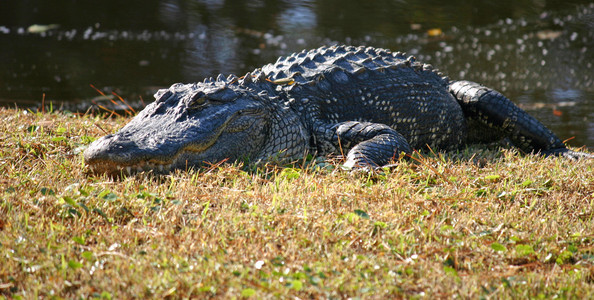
(478, 223)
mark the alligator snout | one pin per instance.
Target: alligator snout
(103, 155)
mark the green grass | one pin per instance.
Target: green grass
(480, 223)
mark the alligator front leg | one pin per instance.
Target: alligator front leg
(492, 116)
(367, 144)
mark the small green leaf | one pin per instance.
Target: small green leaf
(73, 264)
(248, 292)
(299, 275)
(88, 255)
(565, 256)
(103, 193)
(380, 224)
(450, 271)
(69, 201)
(290, 173)
(523, 250)
(296, 285)
(447, 227)
(105, 295)
(409, 271)
(498, 247)
(205, 210)
(481, 192)
(352, 217)
(87, 139)
(492, 177)
(108, 196)
(60, 130)
(79, 240)
(83, 192)
(206, 288)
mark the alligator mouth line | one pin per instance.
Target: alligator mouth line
(152, 164)
(130, 169)
(147, 166)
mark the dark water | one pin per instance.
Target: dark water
(539, 53)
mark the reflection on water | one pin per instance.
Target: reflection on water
(537, 52)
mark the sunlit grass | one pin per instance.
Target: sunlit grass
(478, 223)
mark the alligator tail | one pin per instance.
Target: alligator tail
(493, 116)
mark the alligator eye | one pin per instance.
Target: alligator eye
(197, 100)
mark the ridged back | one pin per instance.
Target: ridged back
(309, 65)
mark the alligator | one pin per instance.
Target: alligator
(369, 104)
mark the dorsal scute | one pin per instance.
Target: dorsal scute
(232, 79)
(310, 64)
(246, 79)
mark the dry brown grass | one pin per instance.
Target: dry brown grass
(493, 224)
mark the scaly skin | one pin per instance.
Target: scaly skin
(368, 103)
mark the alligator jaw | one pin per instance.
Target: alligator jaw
(183, 159)
(112, 168)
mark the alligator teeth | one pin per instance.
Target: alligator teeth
(144, 166)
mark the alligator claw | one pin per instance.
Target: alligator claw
(576, 155)
(567, 153)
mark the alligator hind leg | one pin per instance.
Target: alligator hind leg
(368, 144)
(492, 116)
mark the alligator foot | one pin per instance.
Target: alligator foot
(371, 145)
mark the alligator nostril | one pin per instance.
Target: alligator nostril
(101, 148)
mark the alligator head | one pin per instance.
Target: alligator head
(187, 126)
